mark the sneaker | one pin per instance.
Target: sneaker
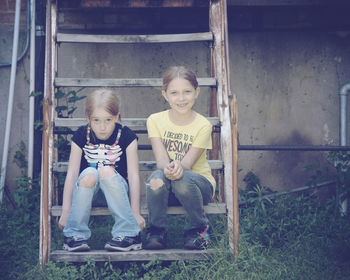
(197, 238)
(75, 244)
(124, 244)
(156, 238)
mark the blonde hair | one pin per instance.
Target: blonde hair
(175, 72)
(103, 98)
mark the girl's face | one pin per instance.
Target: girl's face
(102, 123)
(181, 95)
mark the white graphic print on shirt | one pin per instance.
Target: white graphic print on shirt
(102, 155)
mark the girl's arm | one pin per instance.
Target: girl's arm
(134, 182)
(162, 159)
(160, 153)
(190, 158)
(71, 178)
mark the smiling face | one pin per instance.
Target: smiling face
(181, 96)
(102, 123)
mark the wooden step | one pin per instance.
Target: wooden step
(143, 165)
(130, 122)
(142, 255)
(125, 39)
(142, 82)
(211, 208)
(143, 4)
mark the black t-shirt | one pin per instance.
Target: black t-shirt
(126, 137)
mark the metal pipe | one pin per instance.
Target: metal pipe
(291, 148)
(10, 100)
(6, 64)
(31, 91)
(345, 89)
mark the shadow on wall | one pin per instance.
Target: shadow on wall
(289, 165)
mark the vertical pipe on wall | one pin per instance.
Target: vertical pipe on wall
(25, 49)
(345, 89)
(10, 100)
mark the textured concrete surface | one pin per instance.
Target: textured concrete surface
(287, 67)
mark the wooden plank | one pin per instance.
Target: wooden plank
(47, 133)
(151, 165)
(142, 255)
(158, 38)
(130, 122)
(217, 24)
(142, 82)
(211, 208)
(88, 4)
(143, 165)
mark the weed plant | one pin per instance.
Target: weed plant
(19, 230)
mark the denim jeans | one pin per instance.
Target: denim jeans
(192, 191)
(115, 190)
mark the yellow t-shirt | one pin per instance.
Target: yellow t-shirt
(177, 140)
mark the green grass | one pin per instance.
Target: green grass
(291, 237)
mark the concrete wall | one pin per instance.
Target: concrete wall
(287, 66)
(19, 128)
(287, 87)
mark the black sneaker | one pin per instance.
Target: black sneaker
(75, 244)
(124, 244)
(197, 238)
(156, 238)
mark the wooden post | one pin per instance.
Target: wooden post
(217, 19)
(234, 134)
(47, 136)
(44, 224)
(213, 112)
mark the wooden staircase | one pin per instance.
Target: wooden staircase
(223, 106)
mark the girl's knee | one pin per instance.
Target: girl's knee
(106, 171)
(156, 180)
(88, 181)
(155, 183)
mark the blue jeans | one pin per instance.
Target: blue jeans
(192, 192)
(115, 190)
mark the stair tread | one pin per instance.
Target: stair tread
(132, 82)
(130, 122)
(141, 255)
(143, 165)
(143, 38)
(211, 208)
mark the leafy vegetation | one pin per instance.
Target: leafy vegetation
(289, 237)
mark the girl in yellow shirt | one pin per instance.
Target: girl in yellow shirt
(180, 138)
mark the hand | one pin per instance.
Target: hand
(62, 223)
(63, 219)
(173, 171)
(141, 222)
